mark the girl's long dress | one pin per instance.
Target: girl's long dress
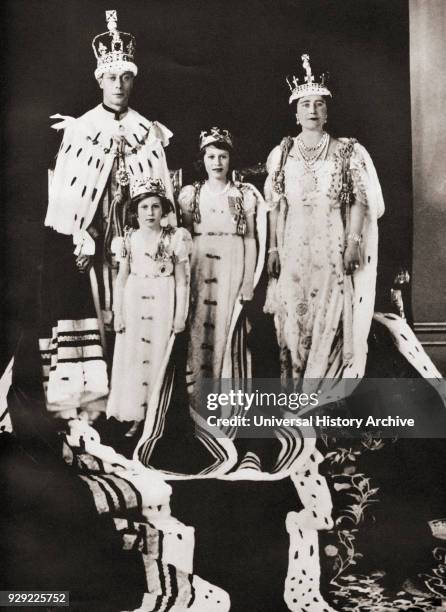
(314, 299)
(149, 306)
(217, 269)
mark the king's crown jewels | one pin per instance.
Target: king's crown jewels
(309, 87)
(114, 50)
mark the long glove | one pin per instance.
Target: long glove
(181, 306)
(247, 289)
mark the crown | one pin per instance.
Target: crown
(147, 186)
(310, 87)
(213, 136)
(114, 50)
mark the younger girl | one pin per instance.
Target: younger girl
(150, 302)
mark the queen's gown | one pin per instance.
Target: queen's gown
(322, 315)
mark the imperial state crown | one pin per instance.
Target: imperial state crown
(114, 50)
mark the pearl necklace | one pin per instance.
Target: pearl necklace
(318, 150)
(321, 150)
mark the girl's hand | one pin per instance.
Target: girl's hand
(352, 257)
(273, 265)
(119, 324)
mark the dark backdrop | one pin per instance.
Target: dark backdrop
(201, 62)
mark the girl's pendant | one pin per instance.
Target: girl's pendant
(161, 257)
(165, 268)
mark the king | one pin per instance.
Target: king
(102, 152)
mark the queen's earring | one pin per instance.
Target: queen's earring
(297, 119)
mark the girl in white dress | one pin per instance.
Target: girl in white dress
(150, 302)
(221, 217)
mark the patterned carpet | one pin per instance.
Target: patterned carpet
(380, 555)
(366, 594)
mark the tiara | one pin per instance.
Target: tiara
(147, 186)
(213, 136)
(310, 87)
(114, 50)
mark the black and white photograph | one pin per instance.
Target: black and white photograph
(223, 306)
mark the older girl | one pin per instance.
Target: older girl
(221, 217)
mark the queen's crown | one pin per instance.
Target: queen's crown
(310, 87)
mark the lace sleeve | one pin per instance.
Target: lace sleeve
(359, 175)
(249, 200)
(181, 245)
(272, 197)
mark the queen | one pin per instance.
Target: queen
(324, 198)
